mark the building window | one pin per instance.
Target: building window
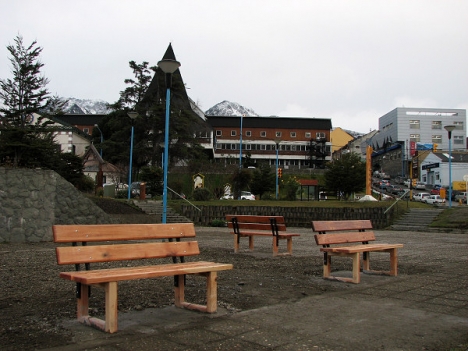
(233, 133)
(262, 147)
(263, 134)
(459, 125)
(437, 139)
(307, 134)
(415, 137)
(458, 139)
(248, 147)
(219, 133)
(86, 130)
(320, 135)
(248, 133)
(414, 124)
(292, 134)
(234, 146)
(278, 134)
(436, 124)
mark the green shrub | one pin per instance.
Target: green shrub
(201, 194)
(218, 223)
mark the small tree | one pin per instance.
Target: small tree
(263, 180)
(240, 181)
(27, 138)
(346, 175)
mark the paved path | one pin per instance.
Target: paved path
(423, 311)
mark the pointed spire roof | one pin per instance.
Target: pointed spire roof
(169, 55)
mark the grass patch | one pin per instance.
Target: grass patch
(455, 217)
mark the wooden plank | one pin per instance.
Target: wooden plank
(119, 232)
(143, 272)
(118, 252)
(362, 248)
(111, 307)
(342, 238)
(325, 226)
(254, 219)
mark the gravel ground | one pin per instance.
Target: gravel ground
(35, 302)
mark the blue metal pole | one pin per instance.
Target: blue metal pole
(166, 155)
(450, 169)
(130, 168)
(240, 145)
(277, 189)
(102, 140)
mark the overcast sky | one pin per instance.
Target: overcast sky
(348, 60)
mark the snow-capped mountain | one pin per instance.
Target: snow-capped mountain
(227, 108)
(86, 106)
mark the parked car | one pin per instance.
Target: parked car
(461, 196)
(246, 195)
(433, 200)
(397, 190)
(420, 196)
(407, 183)
(436, 189)
(420, 186)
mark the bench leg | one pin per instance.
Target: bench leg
(251, 242)
(289, 243)
(109, 324)
(111, 307)
(211, 292)
(179, 291)
(236, 243)
(393, 262)
(366, 261)
(326, 265)
(356, 268)
(275, 246)
(83, 303)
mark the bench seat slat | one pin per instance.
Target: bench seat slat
(255, 219)
(257, 226)
(143, 272)
(119, 232)
(326, 226)
(248, 233)
(343, 238)
(121, 252)
(361, 248)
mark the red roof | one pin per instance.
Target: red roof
(308, 182)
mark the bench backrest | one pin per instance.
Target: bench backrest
(337, 232)
(123, 233)
(249, 222)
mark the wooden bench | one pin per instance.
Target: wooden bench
(338, 233)
(250, 226)
(133, 244)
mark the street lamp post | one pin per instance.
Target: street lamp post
(168, 65)
(449, 129)
(277, 142)
(240, 143)
(102, 137)
(133, 115)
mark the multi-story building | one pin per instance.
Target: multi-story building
(302, 142)
(403, 131)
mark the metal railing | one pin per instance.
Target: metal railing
(183, 198)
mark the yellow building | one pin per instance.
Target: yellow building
(339, 138)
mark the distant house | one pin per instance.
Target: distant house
(339, 138)
(93, 164)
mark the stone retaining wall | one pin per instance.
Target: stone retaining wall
(32, 200)
(294, 216)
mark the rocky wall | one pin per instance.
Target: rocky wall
(32, 200)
